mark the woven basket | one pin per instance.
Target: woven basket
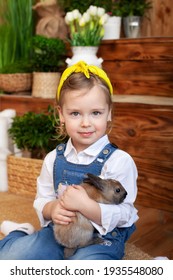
(22, 174)
(45, 84)
(16, 82)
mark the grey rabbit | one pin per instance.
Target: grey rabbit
(79, 233)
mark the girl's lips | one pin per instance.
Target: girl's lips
(85, 134)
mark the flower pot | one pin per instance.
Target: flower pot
(132, 26)
(112, 28)
(45, 84)
(17, 82)
(85, 53)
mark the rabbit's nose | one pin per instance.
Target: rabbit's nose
(125, 194)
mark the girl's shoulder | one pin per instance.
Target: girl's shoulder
(120, 158)
(120, 165)
(50, 157)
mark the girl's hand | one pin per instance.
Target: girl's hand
(60, 215)
(74, 198)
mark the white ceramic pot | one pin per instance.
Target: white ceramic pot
(85, 53)
(112, 28)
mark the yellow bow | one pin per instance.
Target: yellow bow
(82, 67)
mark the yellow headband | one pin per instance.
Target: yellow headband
(82, 67)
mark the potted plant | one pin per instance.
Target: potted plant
(86, 33)
(113, 25)
(48, 61)
(132, 11)
(16, 77)
(35, 133)
(134, 7)
(16, 29)
(112, 8)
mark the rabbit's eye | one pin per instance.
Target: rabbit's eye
(118, 190)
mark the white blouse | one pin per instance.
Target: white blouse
(120, 166)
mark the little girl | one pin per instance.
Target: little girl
(84, 105)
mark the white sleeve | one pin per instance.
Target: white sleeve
(45, 187)
(120, 167)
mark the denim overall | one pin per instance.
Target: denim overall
(71, 173)
(41, 245)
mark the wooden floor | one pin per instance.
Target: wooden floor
(154, 233)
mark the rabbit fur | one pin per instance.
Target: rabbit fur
(79, 233)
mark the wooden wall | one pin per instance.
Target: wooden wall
(139, 66)
(143, 126)
(159, 20)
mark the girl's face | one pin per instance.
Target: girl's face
(85, 114)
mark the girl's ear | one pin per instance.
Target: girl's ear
(109, 119)
(61, 118)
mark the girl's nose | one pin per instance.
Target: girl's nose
(85, 121)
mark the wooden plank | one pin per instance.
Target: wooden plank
(144, 78)
(155, 187)
(139, 66)
(137, 49)
(23, 104)
(144, 129)
(143, 70)
(141, 87)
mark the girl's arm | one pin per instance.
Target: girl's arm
(45, 203)
(120, 166)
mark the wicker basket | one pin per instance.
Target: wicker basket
(16, 82)
(45, 84)
(22, 174)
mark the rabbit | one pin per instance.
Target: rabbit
(79, 233)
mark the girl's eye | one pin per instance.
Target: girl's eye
(96, 113)
(75, 114)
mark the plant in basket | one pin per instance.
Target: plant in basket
(36, 132)
(48, 54)
(16, 77)
(16, 30)
(48, 61)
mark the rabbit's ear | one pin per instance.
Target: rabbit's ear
(94, 180)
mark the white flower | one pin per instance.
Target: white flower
(103, 19)
(71, 16)
(86, 17)
(100, 11)
(82, 21)
(92, 10)
(76, 14)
